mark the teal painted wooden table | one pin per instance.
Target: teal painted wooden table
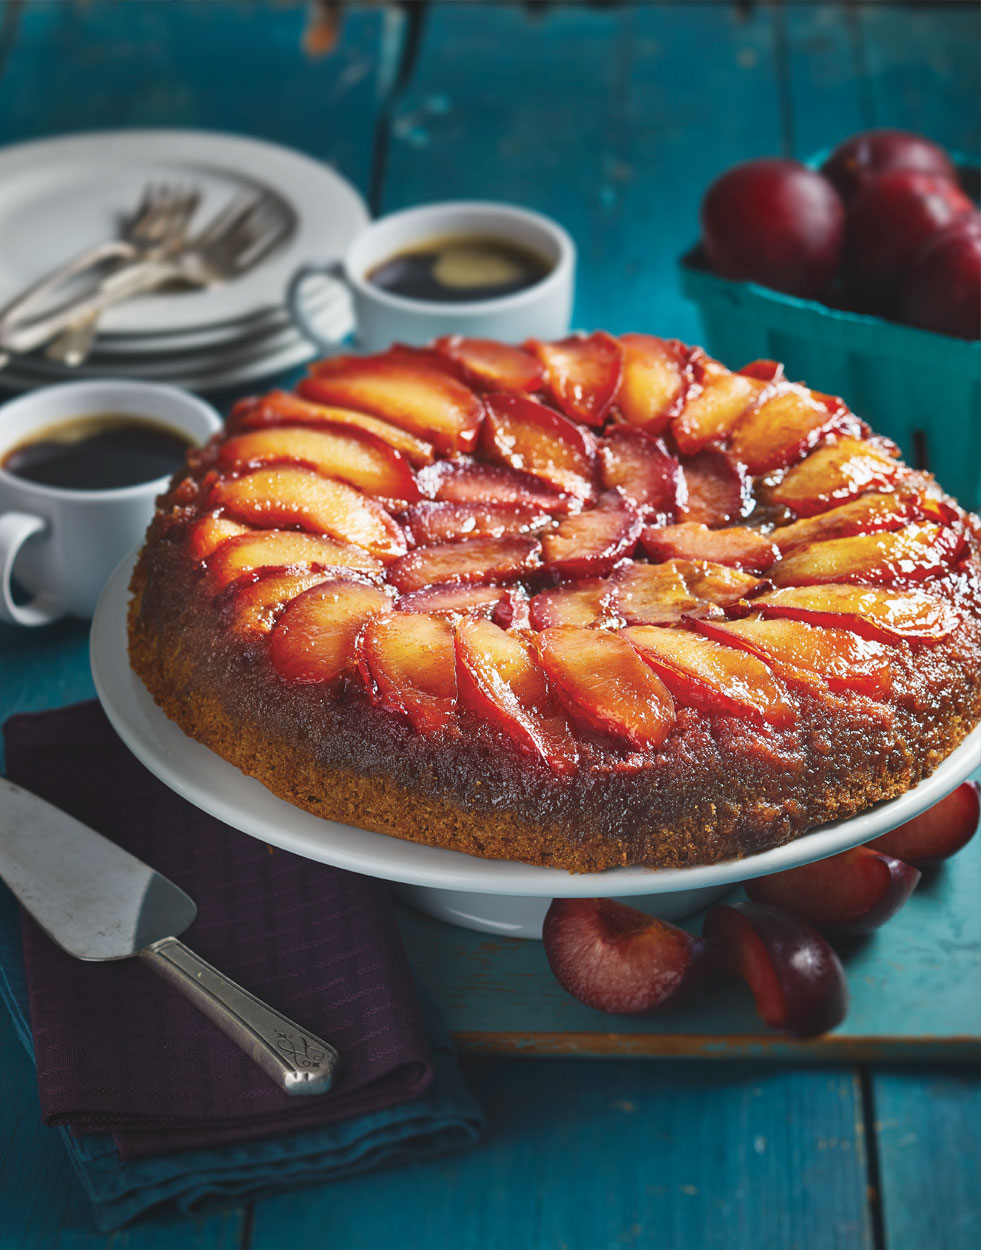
(613, 120)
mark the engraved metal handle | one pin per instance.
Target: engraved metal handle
(298, 1062)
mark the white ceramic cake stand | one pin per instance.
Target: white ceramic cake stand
(496, 896)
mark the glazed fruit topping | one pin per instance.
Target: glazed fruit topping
(836, 473)
(282, 495)
(493, 366)
(700, 673)
(210, 532)
(939, 832)
(606, 686)
(882, 615)
(468, 560)
(257, 549)
(456, 602)
(643, 468)
(616, 958)
(582, 374)
(285, 408)
(738, 547)
(445, 521)
(657, 374)
(716, 490)
(809, 655)
(314, 638)
(590, 543)
(406, 388)
(586, 603)
(854, 892)
(909, 554)
(778, 431)
(796, 978)
(527, 435)
(349, 454)
(471, 481)
(652, 594)
(865, 515)
(711, 413)
(500, 680)
(408, 663)
(718, 583)
(253, 602)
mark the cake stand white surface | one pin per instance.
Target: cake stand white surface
(496, 896)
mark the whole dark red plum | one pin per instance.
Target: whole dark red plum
(857, 160)
(942, 290)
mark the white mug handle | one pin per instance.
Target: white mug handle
(15, 529)
(332, 270)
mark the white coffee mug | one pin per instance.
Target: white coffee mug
(62, 544)
(382, 317)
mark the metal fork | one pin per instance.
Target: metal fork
(241, 236)
(159, 225)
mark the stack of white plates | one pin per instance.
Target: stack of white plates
(61, 195)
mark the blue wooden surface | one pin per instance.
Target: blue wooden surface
(613, 120)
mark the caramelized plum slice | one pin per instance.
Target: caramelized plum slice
(882, 615)
(616, 958)
(739, 547)
(656, 378)
(700, 673)
(586, 603)
(314, 638)
(810, 655)
(285, 408)
(471, 481)
(500, 680)
(351, 455)
(780, 430)
(257, 549)
(254, 602)
(605, 685)
(939, 832)
(643, 468)
(854, 892)
(406, 388)
(590, 543)
(582, 374)
(716, 490)
(407, 660)
(210, 532)
(717, 583)
(834, 474)
(866, 515)
(455, 602)
(711, 412)
(796, 978)
(527, 435)
(283, 495)
(651, 594)
(444, 521)
(909, 554)
(468, 560)
(493, 366)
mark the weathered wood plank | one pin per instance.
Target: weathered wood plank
(823, 88)
(613, 121)
(929, 1156)
(621, 1155)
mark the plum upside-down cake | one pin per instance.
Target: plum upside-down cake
(585, 603)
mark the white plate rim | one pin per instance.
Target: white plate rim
(197, 773)
(307, 184)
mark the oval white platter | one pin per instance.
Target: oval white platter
(218, 788)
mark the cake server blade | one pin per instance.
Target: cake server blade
(98, 902)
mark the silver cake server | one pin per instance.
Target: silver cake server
(99, 902)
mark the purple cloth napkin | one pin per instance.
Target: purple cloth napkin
(120, 1051)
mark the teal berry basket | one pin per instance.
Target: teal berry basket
(922, 390)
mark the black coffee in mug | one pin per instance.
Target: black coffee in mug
(99, 451)
(460, 268)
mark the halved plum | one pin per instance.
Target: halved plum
(406, 388)
(605, 685)
(656, 378)
(701, 674)
(407, 660)
(314, 638)
(643, 468)
(909, 554)
(939, 832)
(467, 560)
(257, 549)
(493, 366)
(835, 473)
(444, 521)
(500, 680)
(590, 543)
(739, 547)
(532, 437)
(582, 373)
(891, 616)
